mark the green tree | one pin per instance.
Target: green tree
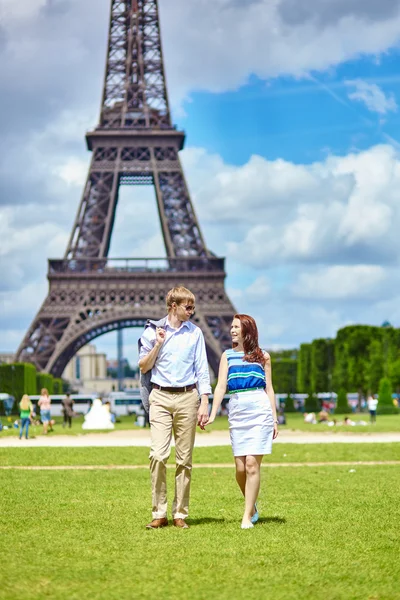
(321, 365)
(342, 406)
(304, 368)
(394, 374)
(284, 374)
(352, 359)
(340, 375)
(376, 365)
(312, 403)
(44, 380)
(18, 379)
(57, 386)
(385, 400)
(289, 404)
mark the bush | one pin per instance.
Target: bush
(385, 400)
(289, 404)
(57, 386)
(342, 406)
(18, 379)
(311, 404)
(44, 380)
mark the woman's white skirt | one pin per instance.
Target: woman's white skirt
(251, 423)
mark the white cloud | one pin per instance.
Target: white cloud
(202, 38)
(372, 96)
(340, 282)
(57, 47)
(258, 291)
(264, 213)
(9, 9)
(73, 172)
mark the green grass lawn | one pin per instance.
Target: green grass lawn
(295, 422)
(326, 533)
(282, 453)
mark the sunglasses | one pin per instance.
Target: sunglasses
(189, 307)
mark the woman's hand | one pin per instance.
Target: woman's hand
(211, 420)
(275, 431)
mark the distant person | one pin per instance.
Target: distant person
(281, 417)
(253, 424)
(67, 410)
(112, 415)
(348, 421)
(372, 405)
(44, 404)
(310, 418)
(323, 416)
(26, 412)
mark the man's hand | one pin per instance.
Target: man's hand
(202, 413)
(160, 336)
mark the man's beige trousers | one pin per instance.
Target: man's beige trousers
(177, 413)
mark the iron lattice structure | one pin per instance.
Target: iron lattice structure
(135, 143)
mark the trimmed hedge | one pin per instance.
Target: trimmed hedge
(57, 386)
(44, 380)
(312, 404)
(18, 379)
(289, 404)
(385, 400)
(342, 405)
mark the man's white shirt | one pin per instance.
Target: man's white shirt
(182, 359)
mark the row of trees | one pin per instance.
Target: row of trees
(312, 403)
(18, 379)
(357, 360)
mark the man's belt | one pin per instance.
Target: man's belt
(175, 390)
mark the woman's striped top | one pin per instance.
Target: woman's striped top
(242, 375)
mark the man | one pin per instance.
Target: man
(372, 405)
(176, 355)
(67, 410)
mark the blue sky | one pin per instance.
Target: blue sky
(300, 121)
(292, 154)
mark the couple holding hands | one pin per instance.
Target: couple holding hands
(175, 354)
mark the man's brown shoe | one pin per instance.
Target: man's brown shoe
(181, 523)
(157, 523)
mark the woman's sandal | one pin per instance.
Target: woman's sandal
(256, 516)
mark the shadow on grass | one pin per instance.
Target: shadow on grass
(205, 520)
(277, 520)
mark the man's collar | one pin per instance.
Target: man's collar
(183, 324)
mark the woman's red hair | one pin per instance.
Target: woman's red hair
(252, 351)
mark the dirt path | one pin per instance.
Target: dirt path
(360, 463)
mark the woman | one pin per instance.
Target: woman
(44, 404)
(26, 411)
(253, 424)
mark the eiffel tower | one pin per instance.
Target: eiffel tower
(135, 143)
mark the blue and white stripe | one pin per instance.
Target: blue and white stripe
(242, 375)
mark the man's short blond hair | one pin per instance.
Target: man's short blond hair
(179, 295)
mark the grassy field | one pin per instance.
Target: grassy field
(282, 453)
(295, 422)
(325, 532)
